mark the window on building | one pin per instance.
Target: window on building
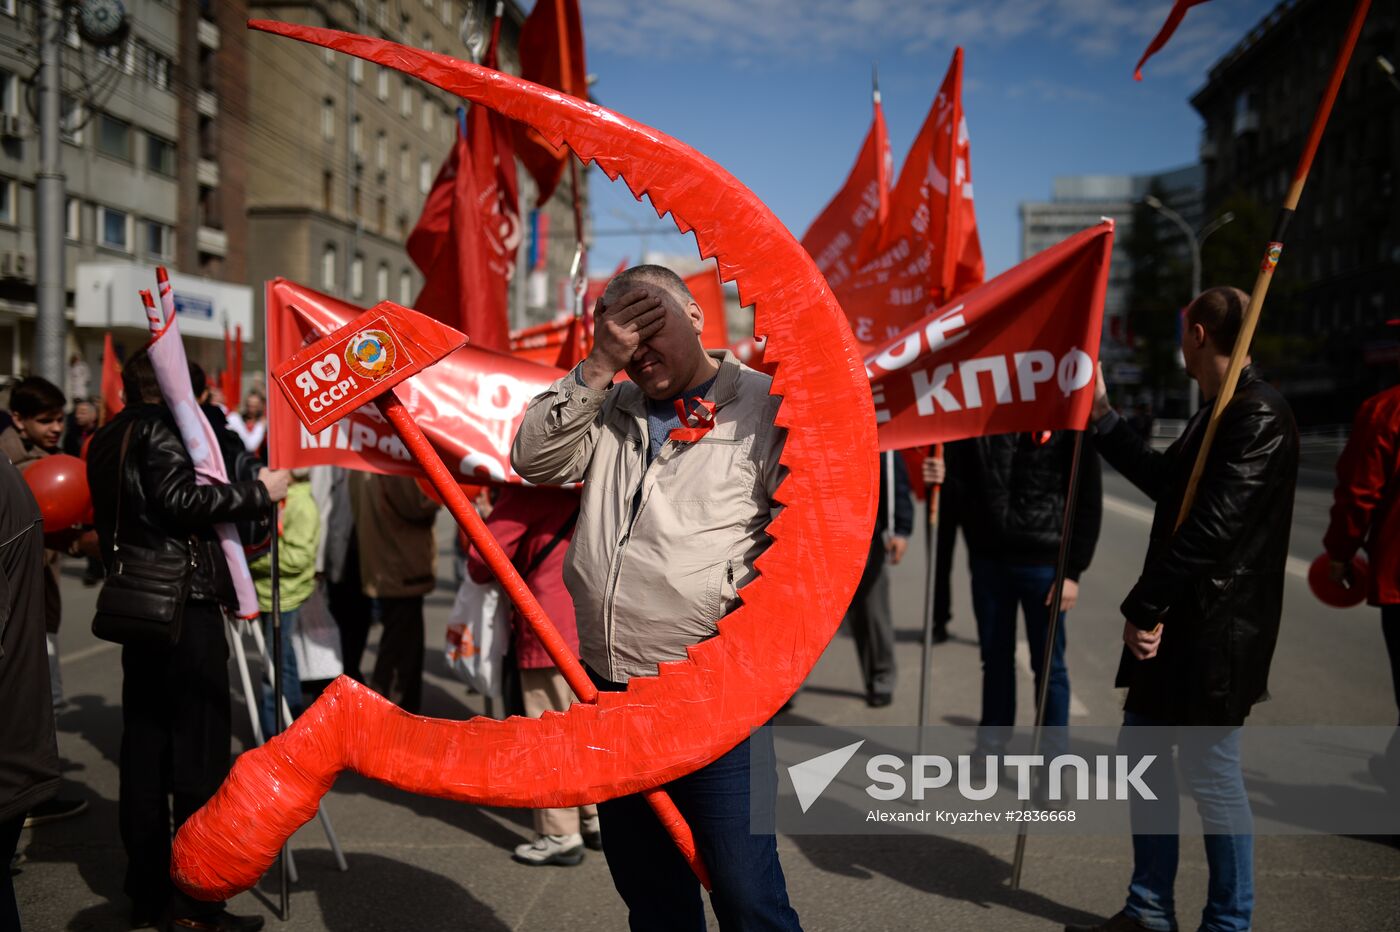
(381, 83)
(328, 56)
(156, 67)
(405, 99)
(427, 45)
(160, 155)
(159, 239)
(425, 175)
(114, 137)
(447, 12)
(9, 210)
(383, 14)
(381, 150)
(381, 282)
(357, 70)
(328, 263)
(7, 7)
(357, 276)
(405, 163)
(114, 229)
(327, 119)
(381, 215)
(355, 201)
(9, 92)
(73, 220)
(357, 135)
(211, 208)
(428, 109)
(327, 191)
(406, 288)
(208, 137)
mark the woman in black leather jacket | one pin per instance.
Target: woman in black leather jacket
(176, 721)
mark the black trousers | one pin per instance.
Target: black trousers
(943, 568)
(398, 670)
(9, 841)
(872, 623)
(176, 731)
(350, 608)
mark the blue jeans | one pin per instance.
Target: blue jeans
(1209, 761)
(997, 589)
(661, 893)
(291, 679)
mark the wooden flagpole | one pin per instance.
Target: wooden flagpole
(1272, 253)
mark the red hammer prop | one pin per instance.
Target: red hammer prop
(360, 364)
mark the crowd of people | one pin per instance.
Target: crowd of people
(642, 563)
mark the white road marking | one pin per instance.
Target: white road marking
(92, 650)
(1295, 566)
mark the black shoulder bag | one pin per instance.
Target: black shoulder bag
(143, 597)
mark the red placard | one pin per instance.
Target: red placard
(360, 361)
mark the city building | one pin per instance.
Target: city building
(1340, 268)
(1080, 201)
(128, 157)
(341, 154)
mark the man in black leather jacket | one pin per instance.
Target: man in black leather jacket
(1203, 617)
(176, 719)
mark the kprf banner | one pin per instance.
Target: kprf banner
(1016, 354)
(469, 404)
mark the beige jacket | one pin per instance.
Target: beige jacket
(660, 551)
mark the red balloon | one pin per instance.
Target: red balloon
(1336, 594)
(59, 483)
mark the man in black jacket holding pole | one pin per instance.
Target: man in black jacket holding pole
(1203, 617)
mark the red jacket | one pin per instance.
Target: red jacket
(1366, 509)
(524, 521)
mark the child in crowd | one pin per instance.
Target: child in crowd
(299, 533)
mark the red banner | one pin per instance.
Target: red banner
(1174, 18)
(708, 292)
(111, 380)
(928, 252)
(469, 404)
(848, 228)
(551, 53)
(1016, 354)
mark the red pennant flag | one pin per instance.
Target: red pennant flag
(469, 404)
(111, 381)
(1016, 354)
(466, 239)
(708, 292)
(1174, 19)
(928, 252)
(848, 228)
(551, 53)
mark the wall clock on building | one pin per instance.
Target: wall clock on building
(102, 22)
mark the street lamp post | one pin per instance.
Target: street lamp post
(1195, 240)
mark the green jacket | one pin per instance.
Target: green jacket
(300, 525)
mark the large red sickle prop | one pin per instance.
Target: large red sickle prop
(696, 708)
(360, 364)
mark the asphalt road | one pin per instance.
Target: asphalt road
(418, 863)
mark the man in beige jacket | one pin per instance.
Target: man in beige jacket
(674, 514)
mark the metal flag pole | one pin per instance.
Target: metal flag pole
(1272, 253)
(279, 720)
(932, 492)
(1051, 629)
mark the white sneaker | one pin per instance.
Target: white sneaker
(563, 850)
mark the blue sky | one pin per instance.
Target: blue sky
(778, 91)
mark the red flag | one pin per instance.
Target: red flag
(111, 381)
(1016, 354)
(848, 228)
(574, 346)
(551, 53)
(708, 292)
(466, 238)
(928, 252)
(1174, 19)
(469, 404)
